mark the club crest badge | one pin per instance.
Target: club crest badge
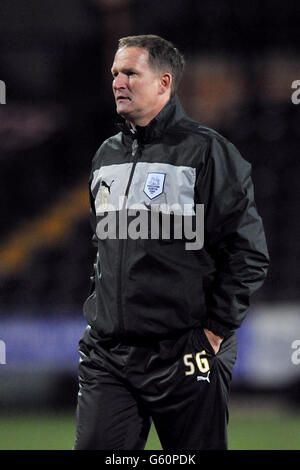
(154, 185)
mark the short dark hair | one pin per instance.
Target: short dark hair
(163, 55)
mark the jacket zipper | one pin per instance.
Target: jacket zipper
(122, 242)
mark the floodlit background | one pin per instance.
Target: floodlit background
(55, 58)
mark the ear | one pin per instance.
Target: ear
(165, 83)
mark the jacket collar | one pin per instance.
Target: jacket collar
(170, 114)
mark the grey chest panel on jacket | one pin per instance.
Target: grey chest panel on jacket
(152, 183)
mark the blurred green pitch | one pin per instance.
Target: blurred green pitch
(264, 430)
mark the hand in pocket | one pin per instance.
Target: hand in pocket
(214, 340)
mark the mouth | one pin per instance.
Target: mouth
(121, 99)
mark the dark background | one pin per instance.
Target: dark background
(55, 59)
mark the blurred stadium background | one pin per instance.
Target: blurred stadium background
(55, 59)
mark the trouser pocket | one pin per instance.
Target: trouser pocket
(200, 340)
(225, 357)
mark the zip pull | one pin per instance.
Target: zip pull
(134, 147)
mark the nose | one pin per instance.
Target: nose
(119, 81)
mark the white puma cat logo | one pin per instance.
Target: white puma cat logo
(199, 377)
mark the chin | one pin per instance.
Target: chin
(121, 109)
(123, 113)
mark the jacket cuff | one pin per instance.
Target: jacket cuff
(216, 327)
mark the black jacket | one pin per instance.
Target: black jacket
(156, 288)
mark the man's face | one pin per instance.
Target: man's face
(136, 87)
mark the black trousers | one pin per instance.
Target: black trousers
(180, 384)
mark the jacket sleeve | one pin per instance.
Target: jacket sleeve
(93, 219)
(93, 223)
(234, 236)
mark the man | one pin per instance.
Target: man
(162, 315)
